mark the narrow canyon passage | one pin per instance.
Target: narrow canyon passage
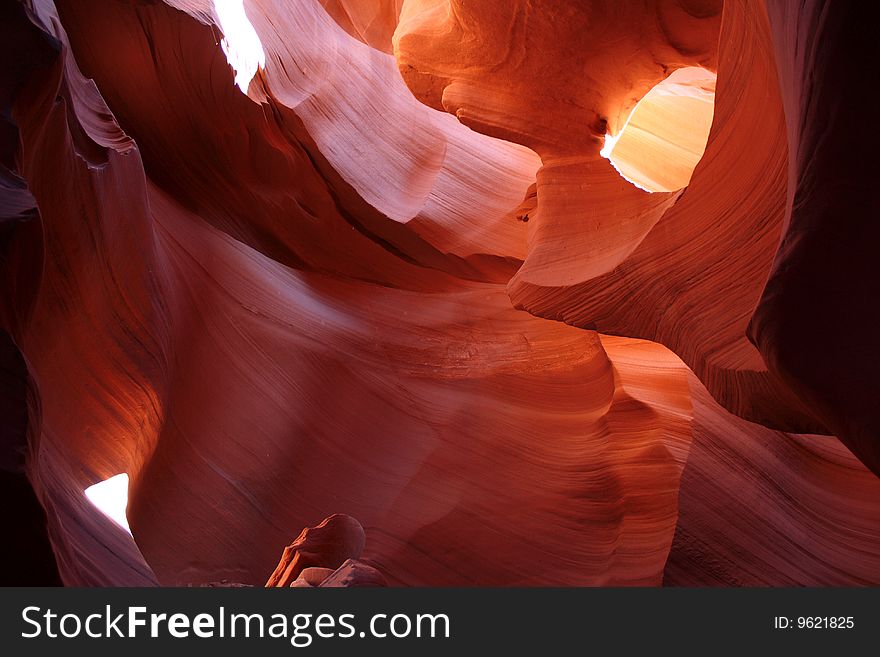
(523, 287)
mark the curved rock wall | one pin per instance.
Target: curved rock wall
(372, 285)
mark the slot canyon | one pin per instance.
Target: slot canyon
(439, 293)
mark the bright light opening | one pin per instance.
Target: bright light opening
(665, 135)
(110, 497)
(240, 43)
(610, 142)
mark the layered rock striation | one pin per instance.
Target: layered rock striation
(380, 268)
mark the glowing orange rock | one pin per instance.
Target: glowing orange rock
(328, 545)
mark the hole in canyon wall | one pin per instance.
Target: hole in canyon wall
(240, 43)
(110, 497)
(666, 133)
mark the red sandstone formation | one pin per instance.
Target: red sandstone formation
(326, 547)
(353, 573)
(385, 267)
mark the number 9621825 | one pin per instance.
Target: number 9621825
(825, 622)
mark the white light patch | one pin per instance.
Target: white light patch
(240, 43)
(110, 497)
(665, 135)
(610, 141)
(608, 149)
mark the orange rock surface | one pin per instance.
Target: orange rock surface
(288, 264)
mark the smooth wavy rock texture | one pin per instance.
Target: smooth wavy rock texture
(364, 267)
(325, 547)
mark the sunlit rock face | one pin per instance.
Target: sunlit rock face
(665, 135)
(540, 293)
